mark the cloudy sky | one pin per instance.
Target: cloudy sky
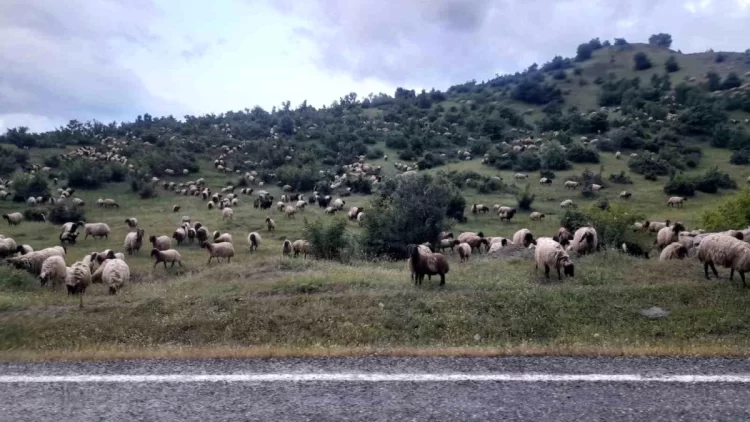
(115, 59)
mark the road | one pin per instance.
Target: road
(376, 388)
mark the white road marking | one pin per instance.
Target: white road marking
(373, 377)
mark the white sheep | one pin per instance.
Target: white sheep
(301, 247)
(227, 213)
(464, 251)
(595, 188)
(536, 216)
(72, 226)
(253, 239)
(8, 247)
(726, 251)
(132, 222)
(222, 238)
(115, 274)
(96, 230)
(286, 248)
(77, 279)
(676, 201)
(270, 224)
(109, 203)
(585, 241)
(523, 237)
(169, 255)
(134, 241)
(289, 212)
(219, 250)
(361, 218)
(14, 218)
(180, 234)
(339, 203)
(568, 203)
(550, 254)
(668, 235)
(570, 184)
(31, 201)
(674, 250)
(53, 270)
(625, 194)
(33, 262)
(655, 226)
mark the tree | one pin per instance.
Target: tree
(584, 52)
(619, 42)
(731, 81)
(734, 212)
(553, 157)
(641, 61)
(714, 81)
(720, 57)
(660, 40)
(671, 65)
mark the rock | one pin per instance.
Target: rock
(654, 312)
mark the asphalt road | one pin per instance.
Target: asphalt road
(288, 390)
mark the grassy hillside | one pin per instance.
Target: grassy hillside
(264, 304)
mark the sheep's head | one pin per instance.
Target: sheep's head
(677, 228)
(138, 234)
(152, 239)
(739, 235)
(568, 268)
(668, 223)
(154, 252)
(528, 239)
(43, 279)
(682, 252)
(480, 234)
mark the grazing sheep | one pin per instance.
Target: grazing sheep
(584, 241)
(219, 250)
(253, 239)
(210, 205)
(286, 248)
(201, 233)
(132, 222)
(176, 208)
(120, 255)
(169, 255)
(185, 219)
(227, 213)
(68, 237)
(726, 251)
(506, 214)
(464, 251)
(289, 211)
(8, 247)
(222, 238)
(301, 246)
(100, 257)
(14, 218)
(563, 236)
(618, 154)
(466, 235)
(550, 254)
(72, 227)
(31, 201)
(361, 218)
(339, 203)
(191, 234)
(520, 176)
(301, 205)
(667, 235)
(32, 262)
(54, 270)
(270, 224)
(109, 203)
(448, 244)
(24, 249)
(330, 210)
(479, 208)
(134, 241)
(353, 212)
(536, 216)
(570, 184)
(568, 203)
(524, 237)
(655, 226)
(161, 243)
(427, 263)
(633, 249)
(77, 279)
(625, 194)
(674, 250)
(475, 242)
(96, 230)
(179, 235)
(115, 273)
(595, 188)
(545, 181)
(445, 235)
(280, 206)
(676, 201)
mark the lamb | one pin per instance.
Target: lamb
(77, 279)
(563, 236)
(33, 262)
(222, 238)
(667, 235)
(115, 274)
(96, 230)
(227, 213)
(280, 205)
(726, 251)
(536, 216)
(330, 210)
(568, 203)
(301, 246)
(132, 222)
(524, 237)
(210, 205)
(676, 201)
(448, 244)
(179, 235)
(427, 263)
(595, 188)
(550, 254)
(353, 212)
(584, 241)
(134, 241)
(361, 219)
(169, 255)
(270, 224)
(14, 218)
(161, 243)
(464, 251)
(570, 184)
(253, 239)
(475, 242)
(219, 250)
(625, 194)
(286, 248)
(54, 270)
(8, 247)
(289, 211)
(674, 250)
(191, 234)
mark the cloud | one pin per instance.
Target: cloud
(442, 42)
(61, 59)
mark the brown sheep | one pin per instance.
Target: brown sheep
(427, 263)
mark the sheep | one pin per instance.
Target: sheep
(191, 234)
(227, 213)
(100, 257)
(427, 263)
(289, 212)
(31, 201)
(169, 255)
(119, 255)
(595, 188)
(301, 246)
(222, 238)
(475, 242)
(726, 251)
(330, 210)
(210, 205)
(161, 243)
(674, 250)
(618, 154)
(286, 248)
(253, 239)
(668, 235)
(14, 218)
(625, 194)
(570, 184)
(270, 224)
(633, 249)
(520, 176)
(479, 208)
(361, 218)
(176, 208)
(339, 203)
(353, 212)
(132, 222)
(550, 254)
(219, 250)
(134, 241)
(72, 226)
(185, 219)
(77, 279)
(524, 237)
(33, 262)
(676, 201)
(109, 203)
(585, 241)
(179, 235)
(300, 205)
(448, 244)
(54, 270)
(78, 202)
(201, 233)
(563, 236)
(68, 237)
(96, 230)
(506, 214)
(445, 235)
(464, 251)
(536, 216)
(655, 226)
(24, 249)
(568, 203)
(8, 247)
(115, 274)
(545, 181)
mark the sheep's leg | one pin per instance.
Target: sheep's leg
(80, 304)
(742, 276)
(559, 276)
(546, 271)
(442, 279)
(209, 259)
(713, 268)
(165, 265)
(172, 266)
(156, 263)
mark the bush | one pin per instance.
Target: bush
(713, 180)
(553, 157)
(720, 57)
(327, 242)
(584, 52)
(578, 153)
(626, 138)
(360, 185)
(84, 174)
(549, 174)
(588, 177)
(301, 179)
(660, 40)
(25, 186)
(671, 65)
(644, 164)
(734, 212)
(528, 161)
(52, 161)
(680, 185)
(12, 279)
(62, 213)
(621, 179)
(613, 222)
(741, 157)
(641, 61)
(34, 214)
(525, 198)
(147, 191)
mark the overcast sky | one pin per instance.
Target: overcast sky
(115, 59)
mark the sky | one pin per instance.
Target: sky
(111, 60)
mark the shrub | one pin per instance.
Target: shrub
(622, 178)
(713, 180)
(12, 279)
(720, 57)
(660, 40)
(681, 185)
(329, 241)
(559, 75)
(34, 214)
(84, 174)
(525, 198)
(579, 153)
(626, 138)
(613, 222)
(361, 185)
(671, 65)
(25, 186)
(731, 81)
(62, 213)
(741, 157)
(641, 61)
(301, 179)
(644, 164)
(553, 157)
(528, 161)
(549, 174)
(732, 213)
(584, 52)
(52, 161)
(147, 191)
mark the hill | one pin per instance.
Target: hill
(682, 132)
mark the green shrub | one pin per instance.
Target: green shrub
(327, 241)
(741, 157)
(528, 161)
(34, 214)
(26, 185)
(644, 164)
(681, 185)
(622, 178)
(579, 153)
(546, 172)
(713, 180)
(525, 198)
(641, 61)
(553, 157)
(613, 222)
(734, 212)
(671, 65)
(62, 213)
(12, 279)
